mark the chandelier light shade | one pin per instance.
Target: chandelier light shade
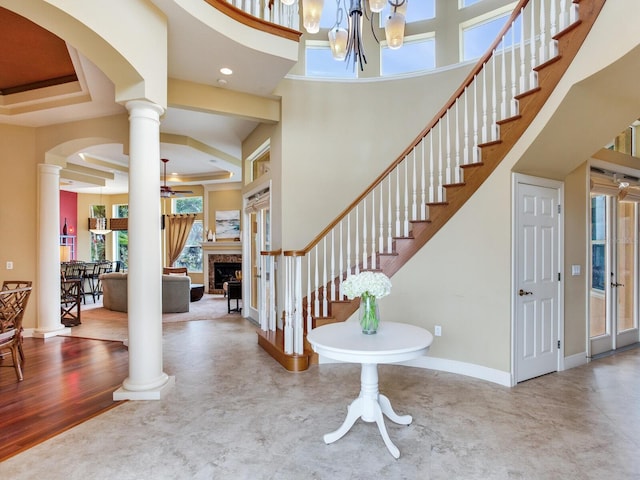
(311, 13)
(394, 30)
(376, 6)
(287, 2)
(338, 42)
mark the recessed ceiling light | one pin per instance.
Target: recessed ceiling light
(226, 71)
(222, 81)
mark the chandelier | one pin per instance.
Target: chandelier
(346, 44)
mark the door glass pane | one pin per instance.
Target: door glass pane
(626, 247)
(598, 266)
(254, 266)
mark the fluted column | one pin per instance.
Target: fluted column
(146, 380)
(47, 286)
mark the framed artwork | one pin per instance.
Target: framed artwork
(227, 224)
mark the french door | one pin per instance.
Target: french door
(613, 300)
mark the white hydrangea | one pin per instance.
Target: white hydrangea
(376, 284)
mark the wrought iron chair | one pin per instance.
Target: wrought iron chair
(13, 303)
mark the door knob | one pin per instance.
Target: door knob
(522, 293)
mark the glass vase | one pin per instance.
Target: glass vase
(369, 314)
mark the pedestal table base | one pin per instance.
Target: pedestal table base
(370, 406)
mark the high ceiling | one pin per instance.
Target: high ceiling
(44, 81)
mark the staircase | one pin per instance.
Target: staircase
(431, 180)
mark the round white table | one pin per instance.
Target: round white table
(394, 342)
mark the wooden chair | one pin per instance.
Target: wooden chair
(12, 285)
(71, 297)
(13, 303)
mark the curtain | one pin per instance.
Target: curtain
(178, 232)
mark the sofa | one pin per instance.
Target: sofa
(176, 292)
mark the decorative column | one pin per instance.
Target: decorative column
(146, 380)
(48, 276)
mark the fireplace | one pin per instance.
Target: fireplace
(223, 272)
(221, 268)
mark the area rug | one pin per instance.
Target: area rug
(102, 324)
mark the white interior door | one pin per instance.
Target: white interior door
(537, 278)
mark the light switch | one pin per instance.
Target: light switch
(575, 270)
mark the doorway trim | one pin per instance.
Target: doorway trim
(516, 180)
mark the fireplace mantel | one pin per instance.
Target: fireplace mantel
(222, 247)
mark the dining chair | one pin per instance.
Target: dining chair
(12, 285)
(13, 303)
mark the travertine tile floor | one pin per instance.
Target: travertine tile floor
(236, 414)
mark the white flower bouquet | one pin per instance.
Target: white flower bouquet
(375, 284)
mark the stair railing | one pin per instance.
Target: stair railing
(271, 11)
(366, 232)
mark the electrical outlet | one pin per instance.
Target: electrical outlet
(9, 265)
(437, 330)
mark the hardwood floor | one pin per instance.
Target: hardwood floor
(67, 380)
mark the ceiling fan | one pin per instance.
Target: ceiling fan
(165, 190)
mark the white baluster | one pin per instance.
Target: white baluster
(475, 119)
(533, 75)
(389, 218)
(514, 81)
(494, 98)
(432, 194)
(564, 15)
(341, 257)
(357, 241)
(543, 33)
(423, 179)
(325, 278)
(316, 283)
(458, 170)
(553, 29)
(298, 329)
(348, 246)
(309, 304)
(465, 152)
(523, 60)
(414, 190)
(365, 253)
(374, 261)
(398, 231)
(288, 289)
(440, 166)
(448, 149)
(406, 197)
(381, 222)
(333, 266)
(503, 81)
(484, 104)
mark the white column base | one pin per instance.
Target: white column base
(152, 394)
(37, 333)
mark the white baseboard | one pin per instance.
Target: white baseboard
(576, 360)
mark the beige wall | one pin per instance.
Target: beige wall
(18, 222)
(336, 138)
(576, 233)
(222, 200)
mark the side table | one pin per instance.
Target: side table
(393, 343)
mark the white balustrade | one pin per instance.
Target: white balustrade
(277, 13)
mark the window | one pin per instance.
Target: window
(191, 255)
(598, 241)
(417, 54)
(320, 62)
(477, 37)
(121, 237)
(416, 11)
(97, 252)
(467, 3)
